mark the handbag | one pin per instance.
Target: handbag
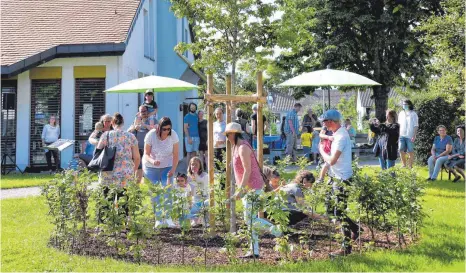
(103, 159)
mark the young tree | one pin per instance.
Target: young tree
(227, 32)
(374, 38)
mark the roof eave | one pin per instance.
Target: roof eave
(63, 51)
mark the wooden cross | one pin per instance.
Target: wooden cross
(228, 98)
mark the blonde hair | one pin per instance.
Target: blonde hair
(99, 126)
(201, 168)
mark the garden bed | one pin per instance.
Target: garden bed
(167, 247)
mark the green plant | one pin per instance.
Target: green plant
(112, 202)
(180, 210)
(139, 229)
(58, 196)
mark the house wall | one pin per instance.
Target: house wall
(118, 69)
(168, 64)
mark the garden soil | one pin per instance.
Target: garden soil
(167, 247)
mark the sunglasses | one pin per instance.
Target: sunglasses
(166, 129)
(144, 111)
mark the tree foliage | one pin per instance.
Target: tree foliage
(372, 38)
(445, 34)
(227, 31)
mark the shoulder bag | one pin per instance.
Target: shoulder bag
(103, 159)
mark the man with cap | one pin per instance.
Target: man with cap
(254, 126)
(339, 160)
(292, 131)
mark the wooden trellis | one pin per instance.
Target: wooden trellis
(228, 98)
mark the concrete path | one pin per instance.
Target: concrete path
(182, 167)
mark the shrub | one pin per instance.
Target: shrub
(431, 114)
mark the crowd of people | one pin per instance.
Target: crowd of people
(150, 148)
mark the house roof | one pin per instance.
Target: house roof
(32, 27)
(368, 102)
(285, 101)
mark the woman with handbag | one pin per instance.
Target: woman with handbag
(249, 178)
(160, 160)
(126, 159)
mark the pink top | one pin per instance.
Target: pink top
(255, 179)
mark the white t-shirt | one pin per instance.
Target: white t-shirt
(342, 168)
(200, 187)
(161, 150)
(182, 192)
(219, 129)
(407, 120)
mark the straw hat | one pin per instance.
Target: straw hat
(233, 127)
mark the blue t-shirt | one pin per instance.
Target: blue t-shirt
(89, 150)
(193, 127)
(441, 144)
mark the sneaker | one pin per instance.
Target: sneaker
(457, 178)
(170, 223)
(158, 224)
(249, 255)
(339, 253)
(275, 231)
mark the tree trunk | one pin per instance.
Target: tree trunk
(381, 101)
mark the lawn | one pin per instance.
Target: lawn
(25, 232)
(10, 181)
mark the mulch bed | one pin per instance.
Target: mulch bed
(167, 247)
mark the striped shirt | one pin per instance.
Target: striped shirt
(293, 116)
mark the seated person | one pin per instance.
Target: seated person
(295, 198)
(456, 159)
(439, 152)
(89, 148)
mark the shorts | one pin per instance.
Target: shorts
(194, 147)
(406, 145)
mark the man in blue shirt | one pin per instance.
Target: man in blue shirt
(191, 131)
(292, 131)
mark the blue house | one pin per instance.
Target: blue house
(58, 56)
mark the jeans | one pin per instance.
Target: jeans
(159, 176)
(340, 199)
(291, 148)
(256, 222)
(307, 152)
(434, 169)
(196, 208)
(386, 163)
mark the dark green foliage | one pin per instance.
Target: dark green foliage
(68, 201)
(376, 39)
(431, 114)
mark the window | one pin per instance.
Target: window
(45, 101)
(146, 35)
(89, 106)
(184, 35)
(8, 123)
(149, 33)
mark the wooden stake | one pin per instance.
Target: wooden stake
(260, 122)
(228, 154)
(210, 150)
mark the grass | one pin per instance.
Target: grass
(25, 233)
(11, 181)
